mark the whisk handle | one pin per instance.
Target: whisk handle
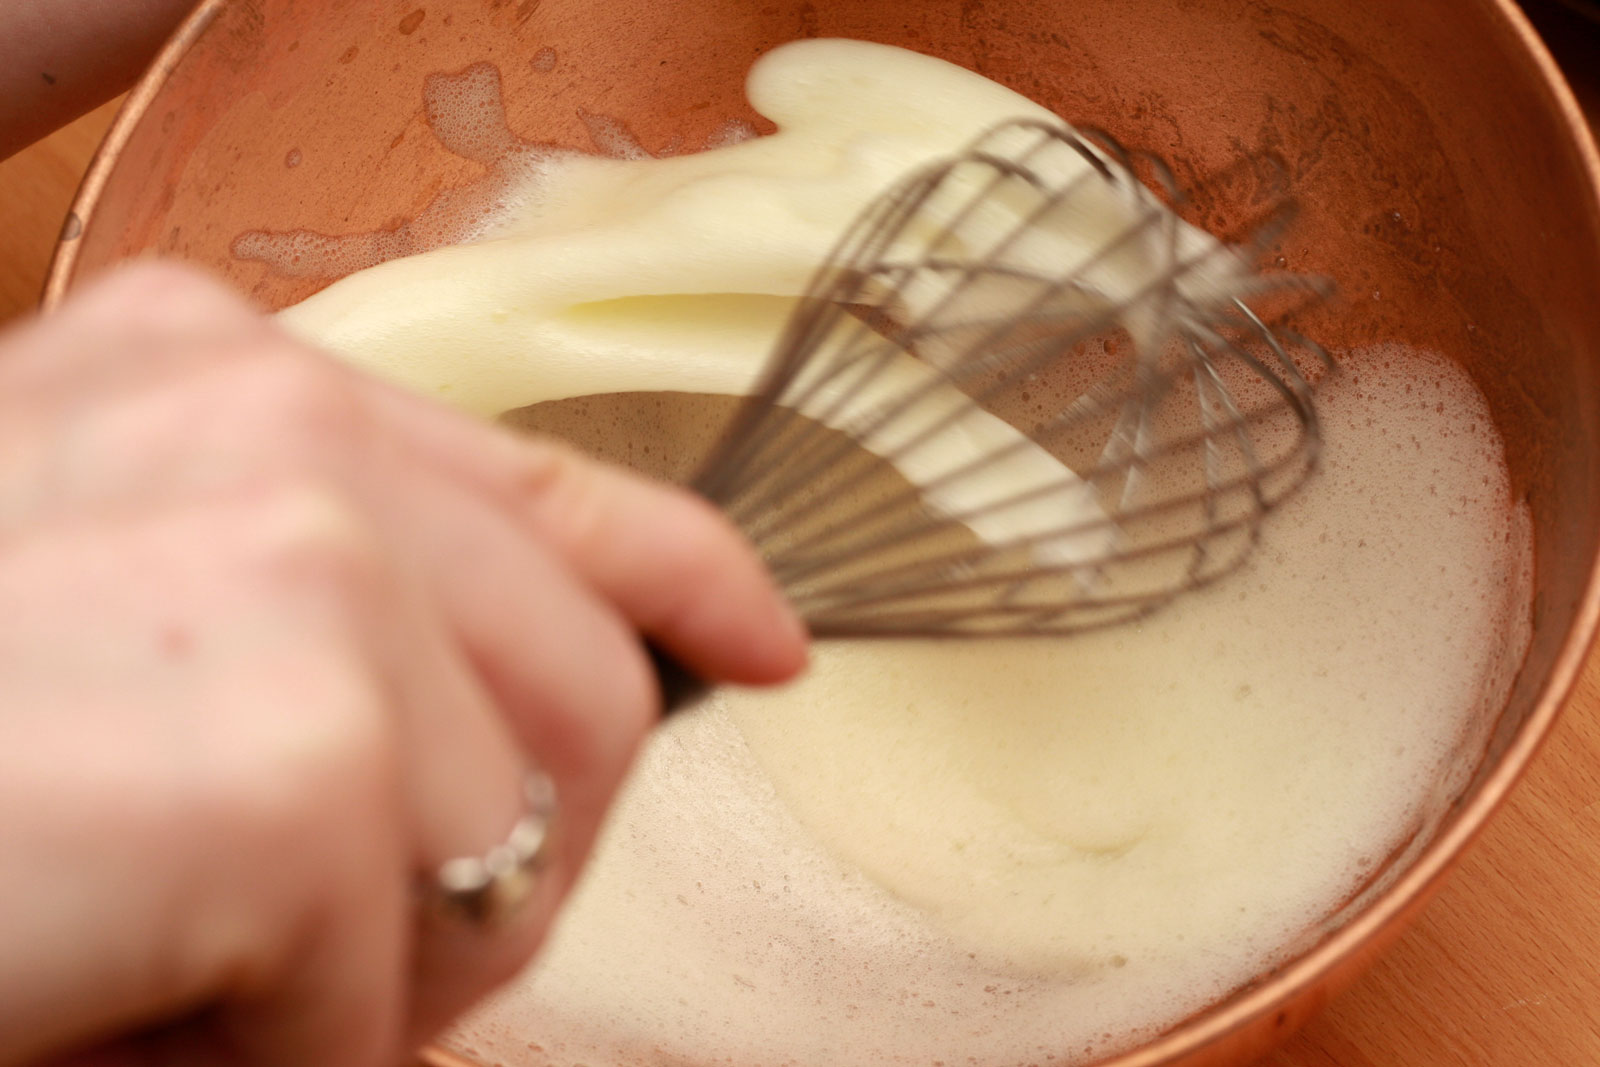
(680, 687)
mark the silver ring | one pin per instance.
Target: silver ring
(489, 890)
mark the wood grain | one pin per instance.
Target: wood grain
(1502, 971)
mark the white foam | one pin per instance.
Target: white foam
(1151, 816)
(731, 132)
(466, 113)
(612, 138)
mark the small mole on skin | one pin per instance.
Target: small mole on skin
(349, 54)
(409, 24)
(49, 79)
(293, 159)
(176, 642)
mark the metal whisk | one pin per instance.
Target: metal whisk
(1021, 396)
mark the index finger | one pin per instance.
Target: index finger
(669, 561)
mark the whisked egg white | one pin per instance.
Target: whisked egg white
(1021, 852)
(1041, 851)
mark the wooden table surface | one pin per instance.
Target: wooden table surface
(1503, 970)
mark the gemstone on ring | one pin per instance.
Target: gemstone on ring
(489, 890)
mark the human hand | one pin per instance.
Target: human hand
(275, 641)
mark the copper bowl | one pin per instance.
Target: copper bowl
(1440, 160)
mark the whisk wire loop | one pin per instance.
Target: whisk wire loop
(1022, 395)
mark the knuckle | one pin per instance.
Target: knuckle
(297, 397)
(157, 291)
(550, 475)
(300, 533)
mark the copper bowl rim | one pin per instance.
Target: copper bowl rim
(1413, 888)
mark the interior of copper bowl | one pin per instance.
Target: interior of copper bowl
(1438, 183)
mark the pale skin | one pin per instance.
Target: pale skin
(277, 640)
